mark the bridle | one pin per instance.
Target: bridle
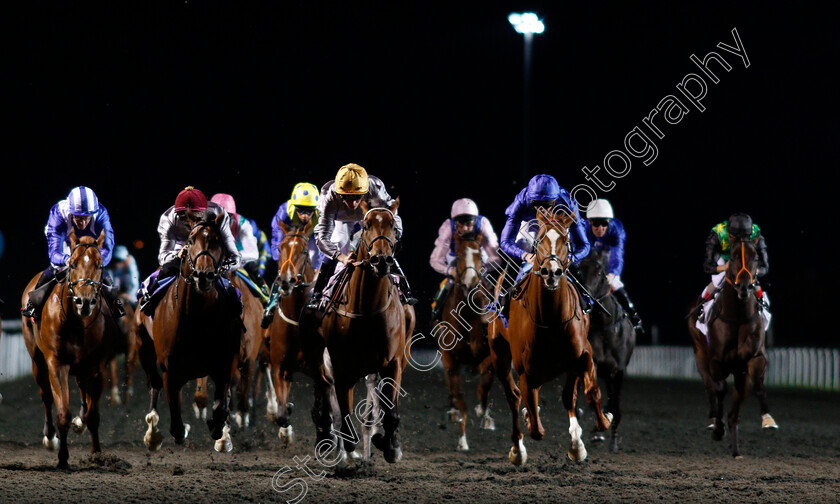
(369, 261)
(299, 284)
(97, 285)
(211, 275)
(742, 270)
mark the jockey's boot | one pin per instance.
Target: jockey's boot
(585, 300)
(625, 302)
(404, 288)
(440, 298)
(38, 295)
(233, 295)
(321, 279)
(268, 313)
(112, 296)
(253, 270)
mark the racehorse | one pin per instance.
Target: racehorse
(611, 335)
(249, 350)
(471, 350)
(77, 335)
(195, 332)
(128, 346)
(288, 347)
(735, 344)
(546, 336)
(365, 332)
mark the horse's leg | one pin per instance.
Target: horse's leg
(389, 442)
(282, 380)
(615, 383)
(701, 356)
(532, 401)
(577, 450)
(458, 411)
(500, 353)
(219, 425)
(593, 392)
(734, 418)
(484, 384)
(177, 427)
(757, 368)
(58, 381)
(42, 377)
(94, 386)
(78, 422)
(344, 394)
(148, 360)
(131, 358)
(243, 393)
(200, 399)
(115, 379)
(720, 388)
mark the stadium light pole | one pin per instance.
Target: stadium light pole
(528, 24)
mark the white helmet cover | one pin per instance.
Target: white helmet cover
(599, 209)
(464, 206)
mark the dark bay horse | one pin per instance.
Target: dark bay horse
(288, 347)
(469, 348)
(611, 335)
(77, 335)
(365, 333)
(195, 332)
(735, 345)
(546, 337)
(122, 390)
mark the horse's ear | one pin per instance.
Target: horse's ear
(308, 227)
(283, 226)
(395, 205)
(364, 206)
(755, 240)
(221, 218)
(101, 240)
(72, 237)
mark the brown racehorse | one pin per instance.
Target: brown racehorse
(128, 327)
(288, 350)
(546, 336)
(77, 335)
(194, 333)
(366, 332)
(472, 349)
(611, 335)
(735, 345)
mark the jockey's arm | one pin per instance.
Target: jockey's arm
(326, 223)
(169, 245)
(710, 265)
(233, 261)
(618, 238)
(104, 221)
(490, 242)
(438, 260)
(579, 240)
(763, 261)
(250, 252)
(56, 232)
(276, 232)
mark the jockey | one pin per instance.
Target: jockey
(298, 211)
(464, 220)
(606, 234)
(125, 273)
(263, 245)
(82, 213)
(190, 208)
(246, 240)
(339, 204)
(718, 248)
(543, 192)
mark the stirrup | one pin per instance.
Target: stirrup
(408, 299)
(29, 311)
(118, 309)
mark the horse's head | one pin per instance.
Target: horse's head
(551, 246)
(743, 264)
(594, 270)
(205, 254)
(468, 262)
(84, 275)
(294, 257)
(379, 236)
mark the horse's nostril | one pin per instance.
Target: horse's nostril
(293, 280)
(78, 301)
(374, 260)
(389, 261)
(544, 271)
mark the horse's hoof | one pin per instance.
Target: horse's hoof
(737, 457)
(224, 444)
(62, 464)
(197, 411)
(614, 445)
(609, 417)
(767, 422)
(237, 417)
(462, 444)
(153, 437)
(479, 411)
(78, 425)
(598, 437)
(577, 452)
(393, 455)
(518, 454)
(717, 435)
(355, 455)
(487, 423)
(204, 413)
(186, 430)
(711, 425)
(115, 396)
(454, 415)
(286, 435)
(52, 444)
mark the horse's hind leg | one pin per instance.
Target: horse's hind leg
(532, 401)
(200, 399)
(577, 450)
(484, 384)
(593, 392)
(389, 441)
(115, 380)
(93, 392)
(78, 422)
(720, 388)
(615, 383)
(177, 427)
(500, 353)
(244, 393)
(734, 418)
(59, 375)
(757, 368)
(458, 407)
(42, 378)
(219, 425)
(148, 360)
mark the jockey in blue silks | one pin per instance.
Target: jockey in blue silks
(606, 235)
(520, 229)
(81, 213)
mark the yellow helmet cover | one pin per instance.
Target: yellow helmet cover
(304, 194)
(351, 179)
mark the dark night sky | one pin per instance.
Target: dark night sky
(138, 101)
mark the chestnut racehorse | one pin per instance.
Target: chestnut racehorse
(365, 331)
(288, 347)
(546, 336)
(77, 335)
(611, 335)
(735, 345)
(469, 348)
(195, 332)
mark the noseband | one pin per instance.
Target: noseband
(84, 281)
(300, 284)
(390, 242)
(742, 270)
(212, 275)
